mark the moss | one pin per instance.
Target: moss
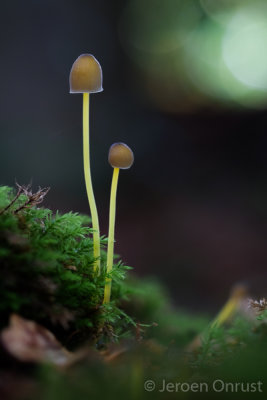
(46, 263)
(47, 269)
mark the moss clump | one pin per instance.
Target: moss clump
(47, 274)
(47, 270)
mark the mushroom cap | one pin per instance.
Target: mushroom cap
(120, 156)
(86, 75)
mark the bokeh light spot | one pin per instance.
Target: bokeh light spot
(245, 49)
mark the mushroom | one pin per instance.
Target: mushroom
(120, 157)
(86, 77)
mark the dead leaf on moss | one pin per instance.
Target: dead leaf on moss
(29, 342)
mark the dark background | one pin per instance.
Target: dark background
(192, 210)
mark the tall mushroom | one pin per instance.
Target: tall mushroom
(120, 157)
(86, 78)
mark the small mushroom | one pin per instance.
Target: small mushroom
(86, 75)
(86, 78)
(120, 157)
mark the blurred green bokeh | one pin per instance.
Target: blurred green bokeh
(199, 53)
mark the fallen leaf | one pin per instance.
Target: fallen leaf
(29, 342)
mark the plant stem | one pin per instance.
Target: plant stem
(88, 182)
(111, 229)
(239, 293)
(226, 313)
(13, 201)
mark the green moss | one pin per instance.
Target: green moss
(47, 269)
(46, 263)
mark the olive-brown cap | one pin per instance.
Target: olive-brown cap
(120, 156)
(86, 75)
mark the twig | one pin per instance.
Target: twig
(33, 198)
(259, 306)
(13, 201)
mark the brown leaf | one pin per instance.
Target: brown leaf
(29, 342)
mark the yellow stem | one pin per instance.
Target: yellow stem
(239, 292)
(226, 313)
(88, 182)
(112, 214)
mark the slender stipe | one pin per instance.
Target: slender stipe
(112, 216)
(88, 182)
